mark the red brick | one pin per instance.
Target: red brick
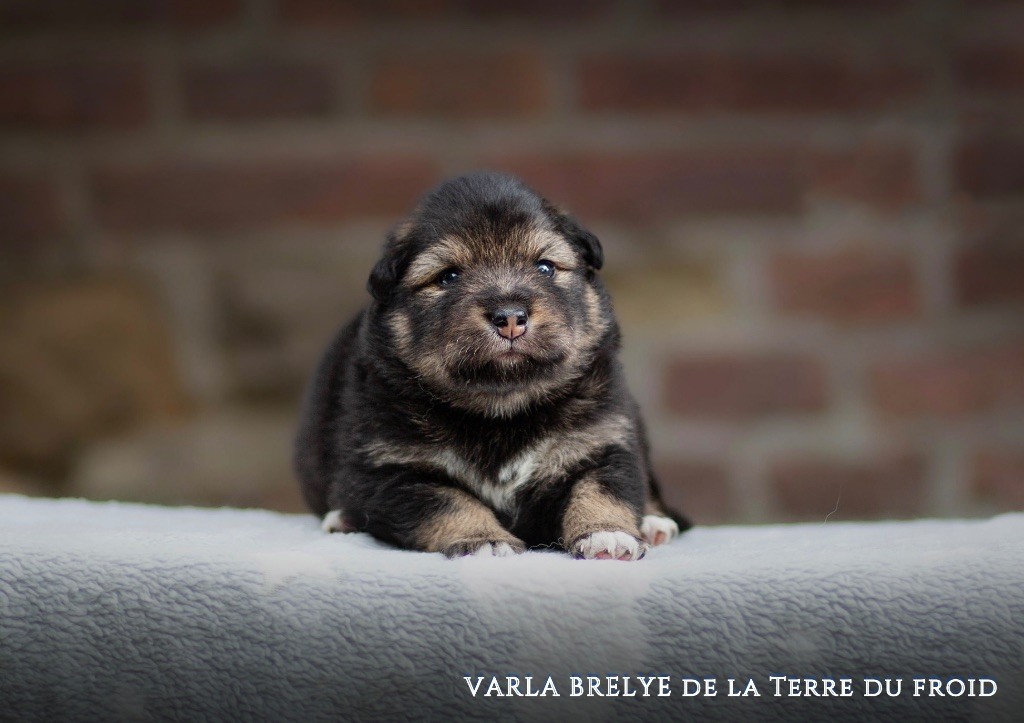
(850, 286)
(76, 16)
(817, 488)
(990, 274)
(712, 81)
(700, 490)
(263, 90)
(531, 11)
(192, 14)
(318, 13)
(30, 209)
(73, 96)
(949, 383)
(745, 387)
(252, 193)
(645, 185)
(681, 9)
(991, 69)
(676, 9)
(73, 15)
(990, 165)
(878, 174)
(998, 477)
(458, 86)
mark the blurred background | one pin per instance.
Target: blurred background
(813, 215)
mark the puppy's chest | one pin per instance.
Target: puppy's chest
(497, 482)
(499, 469)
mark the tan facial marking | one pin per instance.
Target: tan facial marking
(593, 302)
(597, 320)
(525, 248)
(591, 509)
(401, 327)
(553, 247)
(465, 519)
(540, 316)
(445, 253)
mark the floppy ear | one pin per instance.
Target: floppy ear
(586, 242)
(392, 264)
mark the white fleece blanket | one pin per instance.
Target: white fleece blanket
(126, 612)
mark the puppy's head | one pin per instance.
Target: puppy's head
(489, 295)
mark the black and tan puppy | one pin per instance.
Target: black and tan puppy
(477, 405)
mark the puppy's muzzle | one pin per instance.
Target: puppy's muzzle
(510, 321)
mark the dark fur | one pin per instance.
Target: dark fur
(392, 400)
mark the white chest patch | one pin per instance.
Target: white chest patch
(511, 478)
(500, 493)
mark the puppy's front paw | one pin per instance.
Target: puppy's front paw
(483, 548)
(334, 521)
(612, 545)
(657, 530)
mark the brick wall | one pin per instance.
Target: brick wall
(813, 215)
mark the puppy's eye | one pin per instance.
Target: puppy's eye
(448, 277)
(546, 268)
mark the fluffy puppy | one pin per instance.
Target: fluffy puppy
(477, 407)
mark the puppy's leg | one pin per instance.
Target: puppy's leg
(417, 510)
(660, 524)
(418, 513)
(462, 525)
(597, 524)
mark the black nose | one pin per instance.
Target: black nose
(510, 320)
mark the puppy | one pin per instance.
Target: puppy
(477, 407)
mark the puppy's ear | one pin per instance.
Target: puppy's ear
(392, 264)
(586, 242)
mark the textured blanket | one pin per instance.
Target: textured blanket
(126, 612)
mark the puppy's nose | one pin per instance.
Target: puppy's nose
(511, 321)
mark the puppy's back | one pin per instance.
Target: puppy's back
(314, 449)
